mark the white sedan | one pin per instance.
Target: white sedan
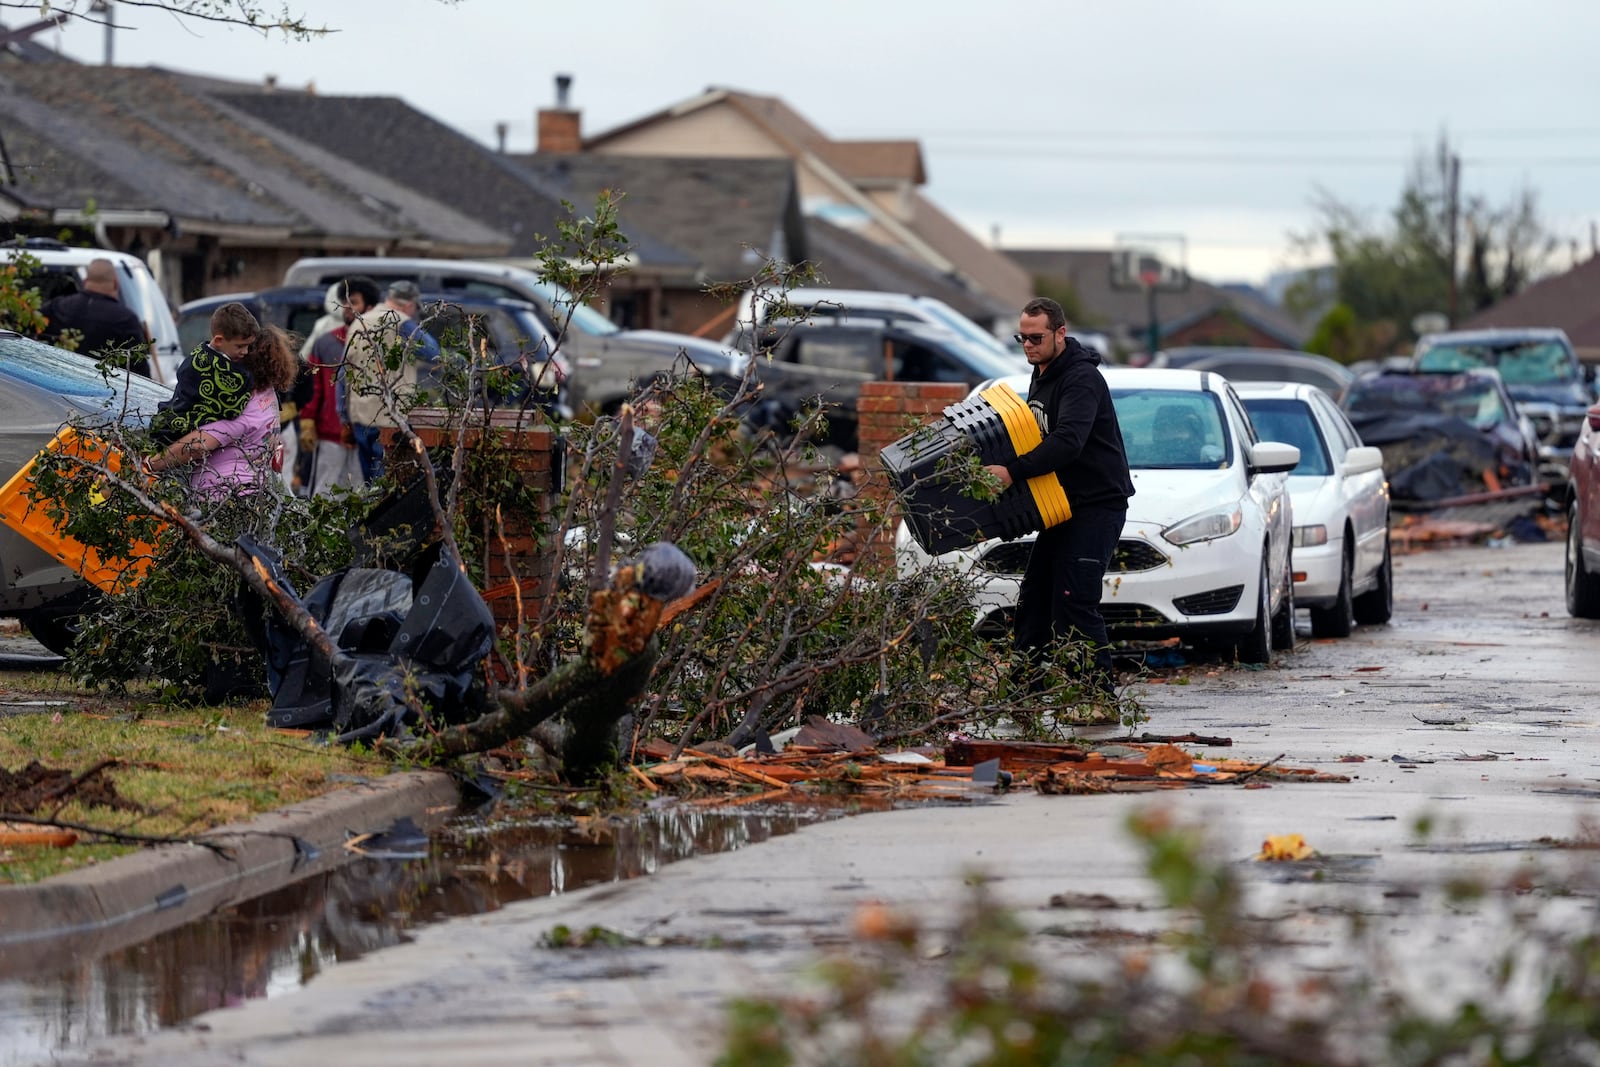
(1204, 553)
(1341, 507)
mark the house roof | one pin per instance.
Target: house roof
(987, 267)
(855, 166)
(1568, 301)
(867, 162)
(1088, 272)
(141, 139)
(388, 136)
(724, 217)
(847, 260)
(770, 112)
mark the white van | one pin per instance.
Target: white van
(136, 288)
(821, 302)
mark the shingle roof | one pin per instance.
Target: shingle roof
(143, 138)
(724, 215)
(387, 136)
(1569, 301)
(848, 260)
(1088, 272)
(869, 161)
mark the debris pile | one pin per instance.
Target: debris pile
(826, 759)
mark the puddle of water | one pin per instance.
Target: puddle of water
(278, 942)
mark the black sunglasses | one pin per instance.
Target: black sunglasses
(1030, 338)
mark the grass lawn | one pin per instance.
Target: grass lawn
(186, 768)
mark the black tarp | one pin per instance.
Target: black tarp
(414, 640)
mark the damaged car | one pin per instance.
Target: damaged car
(1540, 371)
(1445, 436)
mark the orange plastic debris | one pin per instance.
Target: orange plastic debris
(18, 511)
(1281, 847)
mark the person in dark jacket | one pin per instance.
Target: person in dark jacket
(1082, 446)
(107, 325)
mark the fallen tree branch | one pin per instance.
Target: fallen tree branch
(122, 837)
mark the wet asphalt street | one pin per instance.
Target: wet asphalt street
(1477, 710)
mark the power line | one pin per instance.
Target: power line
(1523, 133)
(1261, 160)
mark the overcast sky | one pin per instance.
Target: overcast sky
(1061, 124)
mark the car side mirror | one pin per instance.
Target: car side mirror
(1273, 457)
(1361, 460)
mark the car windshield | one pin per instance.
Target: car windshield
(985, 361)
(954, 321)
(1526, 363)
(1291, 422)
(585, 319)
(67, 374)
(1167, 428)
(1474, 400)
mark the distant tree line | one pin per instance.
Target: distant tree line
(1384, 274)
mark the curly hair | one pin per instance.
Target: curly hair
(271, 360)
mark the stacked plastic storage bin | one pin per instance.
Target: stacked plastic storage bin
(997, 425)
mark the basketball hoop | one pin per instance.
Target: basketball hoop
(1149, 278)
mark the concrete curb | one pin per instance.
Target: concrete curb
(110, 905)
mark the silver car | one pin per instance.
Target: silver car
(41, 389)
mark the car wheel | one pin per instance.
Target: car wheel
(1256, 646)
(1583, 588)
(1338, 619)
(1283, 621)
(1377, 604)
(53, 631)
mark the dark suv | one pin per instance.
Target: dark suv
(1540, 371)
(828, 360)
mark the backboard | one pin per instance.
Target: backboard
(1150, 261)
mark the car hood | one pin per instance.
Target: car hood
(1561, 394)
(1163, 497)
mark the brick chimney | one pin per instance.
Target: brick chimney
(559, 126)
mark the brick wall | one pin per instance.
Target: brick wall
(887, 412)
(528, 454)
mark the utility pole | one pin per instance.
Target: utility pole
(1453, 211)
(108, 13)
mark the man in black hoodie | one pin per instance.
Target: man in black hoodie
(1082, 447)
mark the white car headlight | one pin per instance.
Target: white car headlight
(1207, 527)
(1307, 536)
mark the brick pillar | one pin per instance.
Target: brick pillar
(888, 411)
(528, 451)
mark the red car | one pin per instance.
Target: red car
(1583, 522)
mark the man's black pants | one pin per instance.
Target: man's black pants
(1060, 596)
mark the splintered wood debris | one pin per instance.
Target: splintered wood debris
(966, 766)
